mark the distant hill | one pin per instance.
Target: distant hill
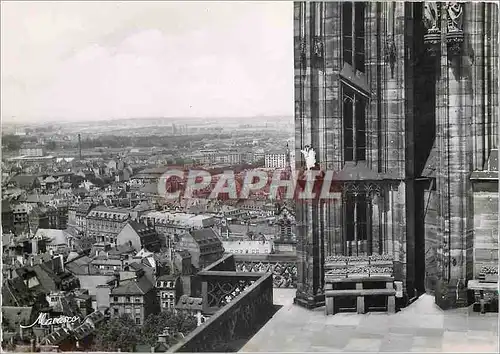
(144, 120)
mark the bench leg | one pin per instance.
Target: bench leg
(360, 299)
(481, 302)
(329, 306)
(391, 304)
(361, 304)
(329, 310)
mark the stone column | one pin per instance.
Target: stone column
(309, 71)
(454, 119)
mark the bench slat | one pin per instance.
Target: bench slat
(364, 292)
(337, 279)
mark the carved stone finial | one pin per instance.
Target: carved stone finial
(454, 12)
(454, 35)
(302, 52)
(302, 48)
(318, 48)
(432, 16)
(432, 21)
(454, 41)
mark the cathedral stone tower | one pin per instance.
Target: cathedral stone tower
(400, 100)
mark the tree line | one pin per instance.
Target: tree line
(13, 142)
(122, 334)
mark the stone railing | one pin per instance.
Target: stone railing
(239, 304)
(282, 266)
(359, 266)
(488, 274)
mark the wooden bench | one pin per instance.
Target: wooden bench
(385, 287)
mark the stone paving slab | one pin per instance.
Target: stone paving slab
(421, 327)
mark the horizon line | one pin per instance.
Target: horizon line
(14, 119)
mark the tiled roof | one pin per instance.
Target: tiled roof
(83, 330)
(81, 269)
(56, 337)
(205, 235)
(137, 266)
(152, 171)
(67, 307)
(143, 206)
(15, 316)
(149, 188)
(84, 208)
(57, 237)
(50, 179)
(104, 260)
(105, 212)
(88, 325)
(24, 180)
(141, 229)
(122, 249)
(46, 276)
(140, 286)
(15, 292)
(189, 303)
(73, 231)
(80, 190)
(6, 206)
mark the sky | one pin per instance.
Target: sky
(103, 60)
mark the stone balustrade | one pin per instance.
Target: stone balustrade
(282, 266)
(239, 304)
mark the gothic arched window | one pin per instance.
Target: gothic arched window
(363, 210)
(353, 35)
(355, 90)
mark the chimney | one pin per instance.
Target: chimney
(34, 246)
(80, 146)
(61, 260)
